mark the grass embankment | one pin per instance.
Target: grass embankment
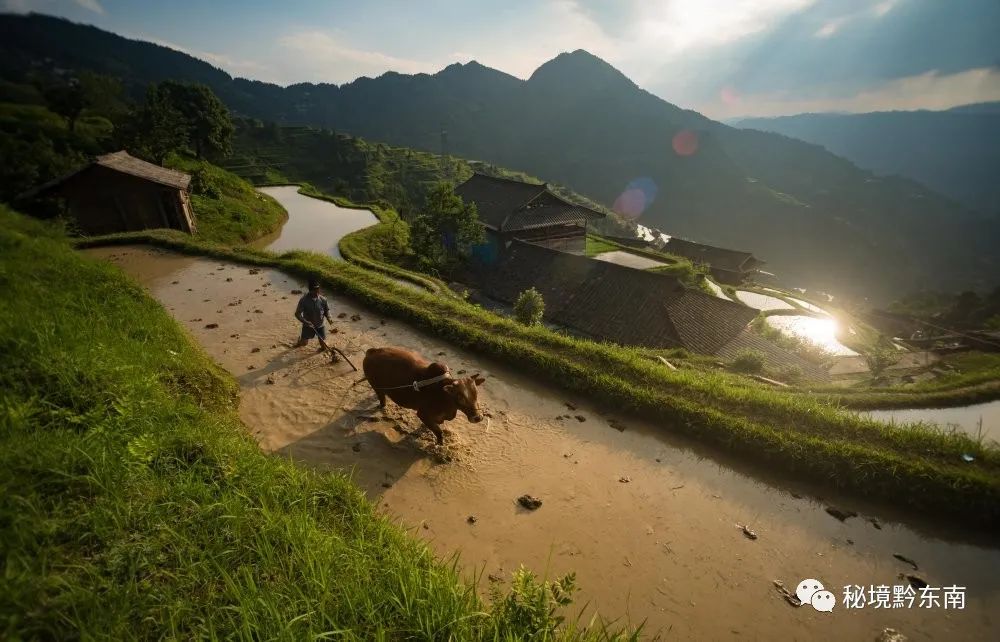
(134, 505)
(227, 208)
(689, 274)
(918, 468)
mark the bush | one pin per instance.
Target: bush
(749, 361)
(790, 373)
(529, 307)
(880, 357)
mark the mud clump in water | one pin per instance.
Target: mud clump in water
(529, 502)
(471, 519)
(617, 425)
(254, 271)
(839, 513)
(211, 326)
(581, 418)
(255, 350)
(296, 291)
(342, 315)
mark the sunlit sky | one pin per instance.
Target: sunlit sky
(725, 58)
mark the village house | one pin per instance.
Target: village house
(512, 209)
(121, 193)
(726, 266)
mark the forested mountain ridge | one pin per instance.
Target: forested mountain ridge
(817, 219)
(952, 151)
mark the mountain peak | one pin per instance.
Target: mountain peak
(580, 69)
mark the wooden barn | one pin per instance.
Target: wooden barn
(512, 209)
(120, 193)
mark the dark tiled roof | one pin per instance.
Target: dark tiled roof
(617, 303)
(774, 355)
(126, 164)
(716, 257)
(508, 205)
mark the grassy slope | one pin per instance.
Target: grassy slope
(133, 503)
(919, 468)
(231, 211)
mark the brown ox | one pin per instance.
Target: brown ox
(392, 372)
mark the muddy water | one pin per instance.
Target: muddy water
(979, 420)
(629, 260)
(312, 224)
(648, 523)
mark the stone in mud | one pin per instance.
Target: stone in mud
(211, 326)
(258, 311)
(529, 502)
(617, 425)
(176, 282)
(915, 581)
(355, 317)
(471, 519)
(234, 336)
(229, 279)
(624, 479)
(254, 350)
(251, 367)
(569, 405)
(581, 418)
(254, 271)
(890, 635)
(274, 345)
(840, 513)
(342, 315)
(190, 289)
(296, 291)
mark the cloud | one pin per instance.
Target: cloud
(243, 67)
(930, 90)
(321, 57)
(51, 6)
(91, 5)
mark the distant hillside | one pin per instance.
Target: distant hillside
(954, 152)
(816, 218)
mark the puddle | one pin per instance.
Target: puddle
(312, 224)
(762, 301)
(822, 332)
(647, 521)
(629, 260)
(966, 419)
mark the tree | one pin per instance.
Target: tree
(445, 230)
(157, 128)
(529, 307)
(67, 100)
(209, 125)
(880, 356)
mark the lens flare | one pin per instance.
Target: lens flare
(637, 196)
(685, 143)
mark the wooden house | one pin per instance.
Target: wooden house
(120, 193)
(512, 210)
(726, 266)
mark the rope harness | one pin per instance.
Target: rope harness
(417, 385)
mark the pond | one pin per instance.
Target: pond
(967, 418)
(312, 224)
(808, 306)
(821, 332)
(762, 301)
(629, 260)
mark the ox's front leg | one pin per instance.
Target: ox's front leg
(433, 424)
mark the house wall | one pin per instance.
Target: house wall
(104, 201)
(567, 238)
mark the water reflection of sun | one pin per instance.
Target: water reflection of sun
(820, 331)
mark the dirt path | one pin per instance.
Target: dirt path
(649, 525)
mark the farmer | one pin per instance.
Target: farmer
(310, 312)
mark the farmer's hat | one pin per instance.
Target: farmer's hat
(313, 283)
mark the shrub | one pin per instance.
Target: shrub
(882, 355)
(529, 307)
(749, 361)
(791, 373)
(529, 610)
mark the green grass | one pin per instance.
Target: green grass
(797, 432)
(229, 209)
(134, 504)
(597, 245)
(689, 274)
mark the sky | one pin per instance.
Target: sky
(724, 58)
